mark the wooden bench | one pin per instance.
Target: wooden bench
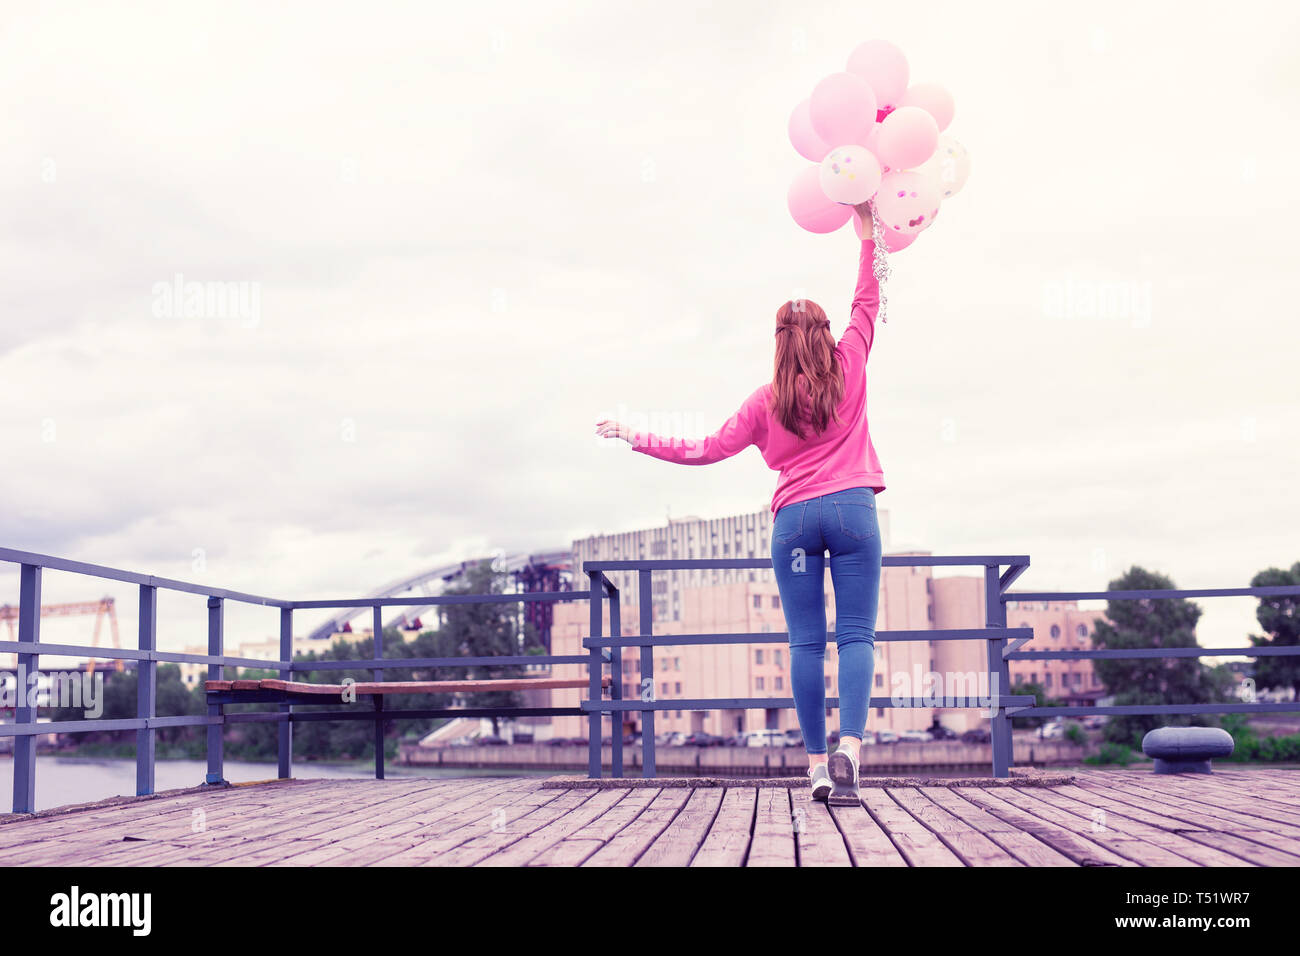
(256, 690)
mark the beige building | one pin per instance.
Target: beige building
(744, 601)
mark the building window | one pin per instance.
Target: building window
(758, 683)
(758, 656)
(778, 684)
(758, 600)
(679, 687)
(880, 712)
(776, 657)
(677, 663)
(828, 683)
(776, 600)
(1056, 632)
(1047, 679)
(1082, 631)
(880, 680)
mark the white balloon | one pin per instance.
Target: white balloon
(849, 174)
(949, 167)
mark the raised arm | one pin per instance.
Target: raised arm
(736, 434)
(866, 299)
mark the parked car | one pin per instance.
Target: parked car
(977, 735)
(737, 740)
(886, 737)
(794, 738)
(1094, 722)
(676, 739)
(765, 738)
(869, 738)
(1054, 730)
(491, 740)
(940, 732)
(914, 736)
(701, 739)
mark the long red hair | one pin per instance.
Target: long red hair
(807, 381)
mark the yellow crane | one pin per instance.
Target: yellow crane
(104, 607)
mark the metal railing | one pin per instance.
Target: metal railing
(25, 729)
(1003, 645)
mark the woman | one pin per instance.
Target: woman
(810, 424)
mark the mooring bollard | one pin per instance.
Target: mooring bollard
(1186, 749)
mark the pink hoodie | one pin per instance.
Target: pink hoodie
(840, 457)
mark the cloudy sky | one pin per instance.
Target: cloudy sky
(468, 231)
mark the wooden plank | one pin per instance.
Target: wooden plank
(971, 846)
(626, 846)
(817, 837)
(867, 843)
(1203, 812)
(575, 850)
(1140, 851)
(1083, 851)
(727, 841)
(773, 842)
(677, 845)
(487, 816)
(917, 844)
(509, 830)
(1025, 847)
(570, 824)
(1105, 813)
(338, 818)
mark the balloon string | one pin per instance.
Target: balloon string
(880, 260)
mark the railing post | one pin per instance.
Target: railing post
(616, 685)
(29, 632)
(597, 593)
(645, 599)
(378, 672)
(146, 691)
(216, 731)
(995, 616)
(285, 747)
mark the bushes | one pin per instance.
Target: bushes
(1113, 753)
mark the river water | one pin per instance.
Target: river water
(64, 780)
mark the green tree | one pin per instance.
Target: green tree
(485, 630)
(1151, 623)
(1279, 616)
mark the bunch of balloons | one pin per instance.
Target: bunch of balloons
(874, 136)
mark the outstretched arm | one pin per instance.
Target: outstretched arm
(866, 300)
(735, 435)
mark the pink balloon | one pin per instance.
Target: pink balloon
(849, 174)
(884, 68)
(907, 138)
(842, 108)
(809, 205)
(907, 202)
(932, 98)
(894, 241)
(803, 137)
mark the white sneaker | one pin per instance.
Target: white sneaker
(842, 768)
(821, 782)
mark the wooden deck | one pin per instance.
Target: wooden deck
(1103, 818)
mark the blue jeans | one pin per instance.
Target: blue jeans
(843, 523)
